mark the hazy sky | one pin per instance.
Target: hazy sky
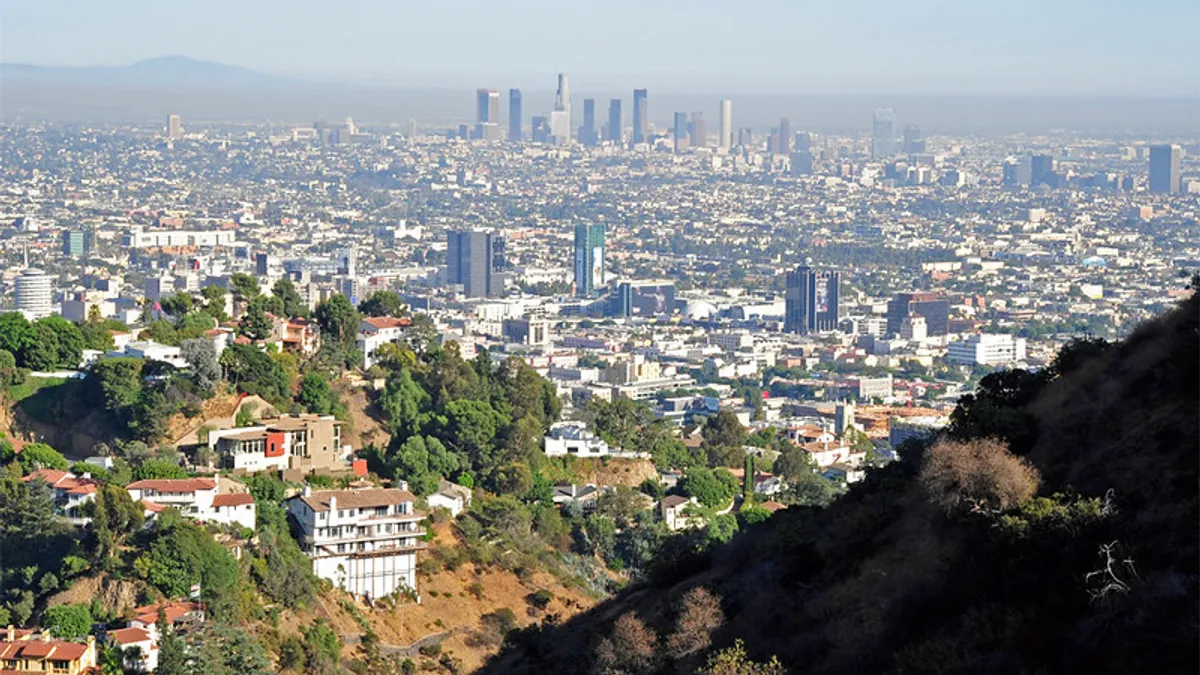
(1144, 47)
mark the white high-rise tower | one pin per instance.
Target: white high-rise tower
(726, 139)
(560, 117)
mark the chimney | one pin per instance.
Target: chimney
(332, 505)
(307, 490)
(11, 633)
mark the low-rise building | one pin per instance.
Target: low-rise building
(197, 498)
(71, 492)
(375, 331)
(674, 511)
(986, 349)
(303, 443)
(365, 540)
(27, 652)
(450, 496)
(573, 439)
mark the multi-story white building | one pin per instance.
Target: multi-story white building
(198, 498)
(137, 237)
(374, 332)
(573, 439)
(363, 540)
(987, 349)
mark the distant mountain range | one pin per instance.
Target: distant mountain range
(164, 71)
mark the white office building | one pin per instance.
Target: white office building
(986, 349)
(138, 237)
(363, 540)
(35, 293)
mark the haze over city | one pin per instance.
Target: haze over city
(618, 338)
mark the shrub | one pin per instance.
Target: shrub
(978, 475)
(540, 598)
(632, 647)
(699, 615)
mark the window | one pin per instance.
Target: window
(341, 514)
(341, 548)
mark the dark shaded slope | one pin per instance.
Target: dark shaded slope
(884, 582)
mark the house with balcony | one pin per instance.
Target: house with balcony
(198, 498)
(364, 540)
(302, 443)
(27, 652)
(71, 492)
(376, 331)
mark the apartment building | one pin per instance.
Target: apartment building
(303, 443)
(364, 540)
(374, 332)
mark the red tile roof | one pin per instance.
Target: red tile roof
(173, 611)
(382, 322)
(236, 499)
(173, 484)
(125, 636)
(64, 480)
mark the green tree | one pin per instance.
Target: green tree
(117, 381)
(316, 395)
(422, 461)
(293, 304)
(724, 437)
(383, 303)
(115, 516)
(177, 305)
(201, 357)
(405, 404)
(254, 324)
(41, 456)
(181, 554)
(43, 354)
(172, 652)
(793, 463)
(322, 647)
(68, 622)
(214, 302)
(244, 286)
(16, 335)
(68, 339)
(254, 372)
(713, 488)
(338, 320)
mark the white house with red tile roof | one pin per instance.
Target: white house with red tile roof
(71, 492)
(139, 647)
(198, 498)
(375, 331)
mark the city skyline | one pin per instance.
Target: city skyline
(1097, 50)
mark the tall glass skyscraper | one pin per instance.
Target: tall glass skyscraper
(883, 134)
(514, 114)
(475, 259)
(641, 122)
(589, 259)
(811, 302)
(615, 123)
(1164, 169)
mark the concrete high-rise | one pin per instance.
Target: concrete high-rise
(560, 117)
(615, 123)
(811, 301)
(1164, 169)
(883, 133)
(932, 307)
(726, 139)
(514, 114)
(1041, 170)
(914, 143)
(679, 131)
(35, 293)
(174, 127)
(699, 130)
(589, 259)
(475, 260)
(785, 137)
(641, 112)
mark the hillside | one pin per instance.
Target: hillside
(1097, 573)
